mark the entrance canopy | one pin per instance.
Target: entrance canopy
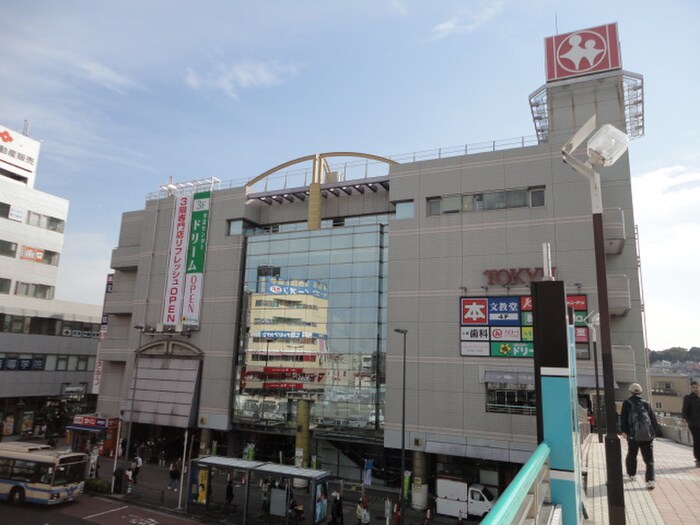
(259, 467)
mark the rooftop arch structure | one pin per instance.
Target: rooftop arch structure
(321, 173)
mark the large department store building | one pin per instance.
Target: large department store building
(266, 313)
(47, 347)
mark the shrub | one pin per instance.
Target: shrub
(97, 485)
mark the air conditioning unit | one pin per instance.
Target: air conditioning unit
(178, 327)
(159, 327)
(67, 332)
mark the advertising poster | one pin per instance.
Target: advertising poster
(502, 326)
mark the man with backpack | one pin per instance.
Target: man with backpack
(639, 426)
(691, 415)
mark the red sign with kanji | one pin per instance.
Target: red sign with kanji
(474, 311)
(582, 52)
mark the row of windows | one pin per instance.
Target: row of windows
(20, 324)
(46, 222)
(46, 362)
(9, 249)
(494, 200)
(240, 227)
(38, 291)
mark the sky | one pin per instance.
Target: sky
(126, 95)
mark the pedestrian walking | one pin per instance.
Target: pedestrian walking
(229, 491)
(161, 458)
(265, 492)
(691, 415)
(174, 474)
(136, 468)
(639, 426)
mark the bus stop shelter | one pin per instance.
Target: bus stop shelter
(262, 492)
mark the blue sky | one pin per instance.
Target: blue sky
(125, 95)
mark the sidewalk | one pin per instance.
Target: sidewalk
(674, 501)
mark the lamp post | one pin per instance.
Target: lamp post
(604, 148)
(140, 328)
(402, 498)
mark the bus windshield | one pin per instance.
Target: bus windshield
(71, 473)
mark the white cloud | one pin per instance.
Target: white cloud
(398, 8)
(467, 22)
(106, 77)
(668, 217)
(247, 74)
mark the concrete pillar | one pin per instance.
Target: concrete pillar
(302, 442)
(419, 488)
(204, 441)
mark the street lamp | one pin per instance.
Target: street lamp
(402, 498)
(604, 148)
(140, 328)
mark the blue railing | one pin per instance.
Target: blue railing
(522, 492)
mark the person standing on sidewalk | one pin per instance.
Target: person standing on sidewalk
(174, 474)
(691, 415)
(639, 426)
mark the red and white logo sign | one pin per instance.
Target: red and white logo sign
(505, 333)
(474, 311)
(582, 52)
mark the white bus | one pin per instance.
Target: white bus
(39, 473)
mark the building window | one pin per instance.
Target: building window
(507, 398)
(4, 210)
(62, 362)
(43, 221)
(5, 285)
(536, 197)
(494, 200)
(404, 210)
(82, 364)
(39, 291)
(434, 206)
(8, 249)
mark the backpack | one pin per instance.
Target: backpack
(641, 428)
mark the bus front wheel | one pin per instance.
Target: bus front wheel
(17, 496)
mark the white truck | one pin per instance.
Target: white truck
(455, 497)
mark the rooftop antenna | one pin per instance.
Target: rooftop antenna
(25, 129)
(556, 24)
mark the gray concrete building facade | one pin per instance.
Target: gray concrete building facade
(307, 275)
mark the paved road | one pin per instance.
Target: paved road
(88, 509)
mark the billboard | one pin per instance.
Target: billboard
(196, 253)
(177, 258)
(19, 155)
(582, 52)
(502, 326)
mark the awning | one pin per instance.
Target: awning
(588, 381)
(86, 429)
(508, 376)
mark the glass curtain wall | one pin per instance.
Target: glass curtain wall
(316, 317)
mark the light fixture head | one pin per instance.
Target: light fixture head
(606, 146)
(401, 331)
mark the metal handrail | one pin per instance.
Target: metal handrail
(510, 502)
